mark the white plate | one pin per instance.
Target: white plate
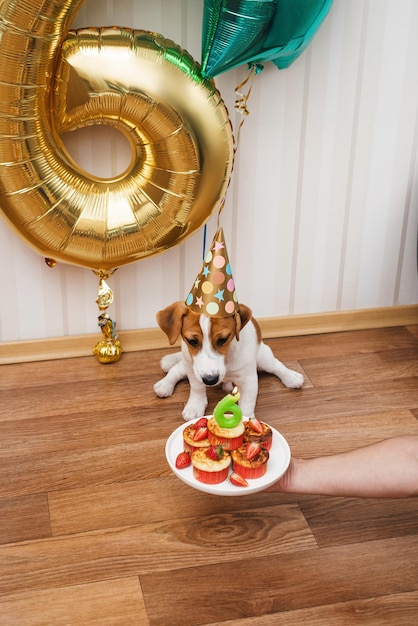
(277, 465)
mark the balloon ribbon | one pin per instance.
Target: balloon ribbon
(241, 101)
(241, 105)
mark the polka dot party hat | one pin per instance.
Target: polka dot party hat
(213, 292)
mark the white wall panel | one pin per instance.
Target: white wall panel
(407, 283)
(322, 210)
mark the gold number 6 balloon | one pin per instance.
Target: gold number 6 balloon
(53, 81)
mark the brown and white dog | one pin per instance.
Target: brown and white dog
(227, 351)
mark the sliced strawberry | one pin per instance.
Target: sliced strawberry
(202, 421)
(238, 480)
(200, 433)
(252, 450)
(183, 460)
(215, 453)
(255, 424)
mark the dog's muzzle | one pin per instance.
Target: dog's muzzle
(208, 369)
(210, 380)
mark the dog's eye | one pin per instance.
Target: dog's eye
(221, 341)
(192, 341)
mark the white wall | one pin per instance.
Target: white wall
(322, 210)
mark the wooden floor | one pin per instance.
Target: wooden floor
(95, 529)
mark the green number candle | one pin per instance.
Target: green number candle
(227, 412)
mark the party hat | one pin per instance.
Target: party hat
(213, 292)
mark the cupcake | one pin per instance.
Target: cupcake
(228, 438)
(250, 460)
(211, 465)
(258, 432)
(195, 436)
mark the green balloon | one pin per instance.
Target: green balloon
(233, 29)
(236, 32)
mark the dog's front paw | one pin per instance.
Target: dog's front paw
(292, 379)
(191, 411)
(164, 388)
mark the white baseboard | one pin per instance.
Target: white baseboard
(153, 338)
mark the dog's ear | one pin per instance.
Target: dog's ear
(242, 317)
(170, 320)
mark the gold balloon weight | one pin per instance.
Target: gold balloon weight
(109, 349)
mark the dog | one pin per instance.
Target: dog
(227, 351)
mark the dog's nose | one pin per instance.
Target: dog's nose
(210, 379)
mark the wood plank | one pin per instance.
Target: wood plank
(24, 518)
(135, 502)
(93, 395)
(341, 344)
(352, 369)
(331, 435)
(395, 610)
(282, 583)
(82, 431)
(35, 473)
(108, 603)
(336, 521)
(413, 330)
(161, 546)
(279, 406)
(67, 371)
(99, 389)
